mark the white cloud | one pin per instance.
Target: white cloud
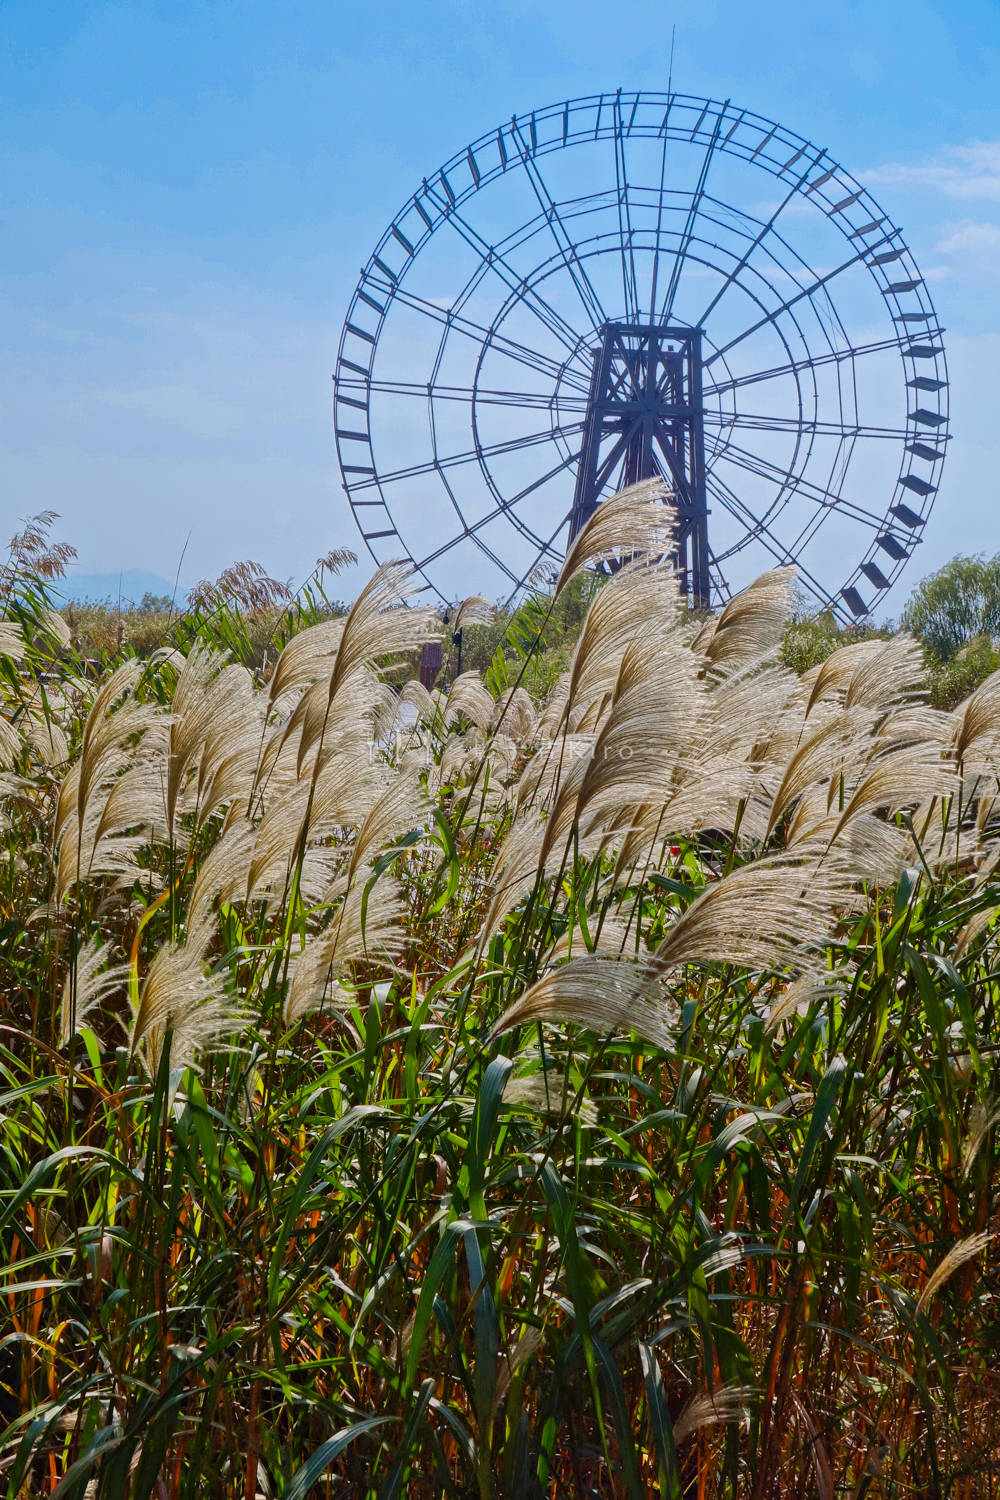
(969, 238)
(971, 171)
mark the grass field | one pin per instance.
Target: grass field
(465, 1094)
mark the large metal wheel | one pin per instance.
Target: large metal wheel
(629, 259)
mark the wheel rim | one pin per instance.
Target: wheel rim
(487, 290)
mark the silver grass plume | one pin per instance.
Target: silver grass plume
(468, 697)
(278, 837)
(379, 625)
(137, 799)
(554, 708)
(635, 599)
(178, 999)
(230, 743)
(46, 737)
(11, 640)
(502, 755)
(364, 927)
(872, 847)
(741, 708)
(401, 808)
(615, 937)
(306, 658)
(959, 1253)
(985, 1113)
(726, 1404)
(124, 807)
(415, 698)
(487, 766)
(819, 758)
(879, 674)
(916, 723)
(347, 794)
(348, 786)
(11, 744)
(751, 622)
(709, 793)
(778, 741)
(87, 984)
(228, 783)
(544, 770)
(224, 874)
(603, 994)
(547, 1091)
(521, 856)
(831, 677)
(635, 520)
(86, 858)
(56, 626)
(89, 834)
(318, 727)
(636, 749)
(120, 817)
(475, 610)
(461, 755)
(978, 923)
(713, 781)
(763, 916)
(900, 779)
(975, 723)
(890, 677)
(496, 794)
(515, 715)
(114, 719)
(799, 995)
(634, 753)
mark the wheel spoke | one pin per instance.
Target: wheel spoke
(756, 243)
(659, 214)
(472, 455)
(758, 529)
(483, 396)
(494, 260)
(720, 578)
(753, 422)
(806, 291)
(533, 358)
(564, 242)
(834, 356)
(752, 463)
(629, 287)
(499, 510)
(699, 193)
(808, 530)
(470, 532)
(543, 552)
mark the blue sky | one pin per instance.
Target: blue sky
(189, 191)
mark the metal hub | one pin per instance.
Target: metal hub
(645, 418)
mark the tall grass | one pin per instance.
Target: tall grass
(428, 1094)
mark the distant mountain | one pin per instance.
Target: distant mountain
(128, 586)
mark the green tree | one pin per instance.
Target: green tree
(955, 605)
(155, 604)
